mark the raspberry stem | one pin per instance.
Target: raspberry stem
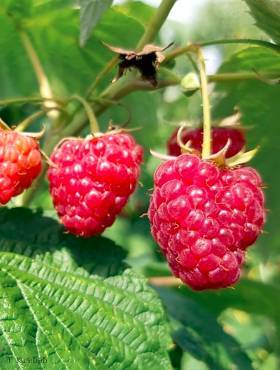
(156, 22)
(94, 126)
(189, 47)
(47, 159)
(206, 144)
(165, 281)
(30, 119)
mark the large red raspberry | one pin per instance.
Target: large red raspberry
(93, 180)
(220, 136)
(204, 217)
(20, 163)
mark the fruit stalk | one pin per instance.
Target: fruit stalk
(169, 281)
(22, 126)
(206, 144)
(94, 126)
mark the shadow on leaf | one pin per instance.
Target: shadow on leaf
(30, 233)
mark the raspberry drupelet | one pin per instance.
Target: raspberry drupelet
(204, 217)
(93, 179)
(20, 163)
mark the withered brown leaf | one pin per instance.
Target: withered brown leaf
(146, 61)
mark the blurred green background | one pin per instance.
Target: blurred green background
(249, 312)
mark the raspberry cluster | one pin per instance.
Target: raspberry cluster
(220, 136)
(204, 217)
(20, 163)
(93, 179)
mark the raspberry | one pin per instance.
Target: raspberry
(93, 180)
(204, 217)
(20, 163)
(220, 136)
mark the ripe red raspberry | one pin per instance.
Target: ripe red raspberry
(20, 163)
(93, 180)
(220, 136)
(204, 217)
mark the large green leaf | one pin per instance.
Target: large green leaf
(197, 331)
(253, 297)
(136, 9)
(267, 16)
(91, 13)
(69, 68)
(56, 309)
(258, 102)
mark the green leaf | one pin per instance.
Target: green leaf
(258, 102)
(68, 68)
(197, 331)
(18, 9)
(267, 16)
(53, 309)
(253, 297)
(139, 102)
(91, 13)
(136, 9)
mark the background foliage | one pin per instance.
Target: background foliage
(87, 304)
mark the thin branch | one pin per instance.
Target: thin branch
(44, 85)
(112, 95)
(107, 68)
(206, 145)
(165, 281)
(156, 22)
(30, 119)
(25, 100)
(185, 49)
(94, 126)
(263, 43)
(242, 76)
(121, 88)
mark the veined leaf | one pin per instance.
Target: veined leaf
(197, 331)
(91, 12)
(267, 16)
(253, 297)
(53, 309)
(58, 49)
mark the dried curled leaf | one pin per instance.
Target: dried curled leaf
(146, 61)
